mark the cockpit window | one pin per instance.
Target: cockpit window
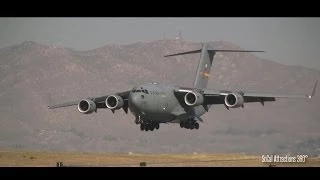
(143, 90)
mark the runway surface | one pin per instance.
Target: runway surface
(77, 159)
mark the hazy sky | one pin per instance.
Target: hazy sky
(293, 41)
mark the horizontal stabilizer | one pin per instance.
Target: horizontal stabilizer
(187, 52)
(227, 50)
(210, 50)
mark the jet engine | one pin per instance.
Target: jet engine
(86, 106)
(234, 100)
(193, 99)
(114, 102)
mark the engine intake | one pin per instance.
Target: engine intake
(114, 102)
(86, 106)
(193, 99)
(234, 100)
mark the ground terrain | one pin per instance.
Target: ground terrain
(73, 159)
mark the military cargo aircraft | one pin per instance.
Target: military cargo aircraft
(156, 103)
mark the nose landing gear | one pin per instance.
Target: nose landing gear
(147, 125)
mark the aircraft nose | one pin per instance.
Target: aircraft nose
(135, 99)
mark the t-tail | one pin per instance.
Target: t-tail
(205, 63)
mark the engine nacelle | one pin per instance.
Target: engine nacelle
(114, 102)
(234, 100)
(193, 99)
(86, 106)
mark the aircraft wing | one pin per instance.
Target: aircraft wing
(99, 101)
(218, 96)
(256, 94)
(66, 104)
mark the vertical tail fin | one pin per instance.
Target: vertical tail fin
(204, 67)
(205, 63)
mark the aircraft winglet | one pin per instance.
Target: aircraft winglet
(314, 90)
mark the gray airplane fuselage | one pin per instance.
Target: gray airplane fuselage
(157, 102)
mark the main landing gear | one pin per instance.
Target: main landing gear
(189, 124)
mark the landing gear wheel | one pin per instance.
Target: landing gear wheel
(181, 124)
(196, 125)
(142, 127)
(157, 126)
